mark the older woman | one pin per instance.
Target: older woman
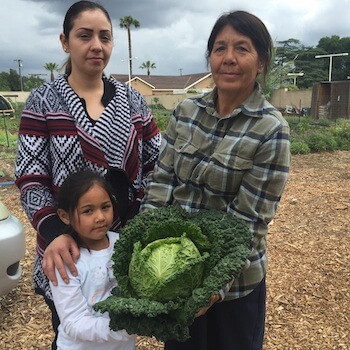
(228, 149)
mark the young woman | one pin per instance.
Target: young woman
(85, 206)
(81, 120)
(228, 150)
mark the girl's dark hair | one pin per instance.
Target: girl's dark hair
(72, 13)
(250, 26)
(73, 187)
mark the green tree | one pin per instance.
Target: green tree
(4, 82)
(310, 66)
(14, 80)
(51, 67)
(286, 51)
(148, 65)
(299, 59)
(127, 22)
(340, 64)
(32, 82)
(277, 78)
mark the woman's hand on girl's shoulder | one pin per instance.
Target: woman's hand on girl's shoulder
(62, 252)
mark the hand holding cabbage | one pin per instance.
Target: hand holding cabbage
(168, 264)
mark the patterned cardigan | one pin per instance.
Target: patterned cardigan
(57, 137)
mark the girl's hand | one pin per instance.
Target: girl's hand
(213, 300)
(62, 251)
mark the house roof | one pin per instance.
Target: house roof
(166, 82)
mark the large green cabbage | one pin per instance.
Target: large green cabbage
(166, 269)
(168, 263)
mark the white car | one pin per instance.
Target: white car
(12, 250)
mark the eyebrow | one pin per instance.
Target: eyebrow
(220, 42)
(88, 205)
(91, 30)
(85, 206)
(242, 41)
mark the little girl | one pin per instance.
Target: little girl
(85, 205)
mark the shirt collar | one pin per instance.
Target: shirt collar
(253, 106)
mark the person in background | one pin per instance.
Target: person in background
(228, 149)
(85, 206)
(81, 120)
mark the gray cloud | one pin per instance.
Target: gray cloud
(173, 33)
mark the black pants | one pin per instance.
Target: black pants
(231, 325)
(55, 321)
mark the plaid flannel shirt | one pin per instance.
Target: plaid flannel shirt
(238, 163)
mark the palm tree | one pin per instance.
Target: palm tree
(127, 22)
(51, 67)
(148, 65)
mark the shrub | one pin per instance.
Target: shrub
(319, 142)
(342, 144)
(299, 147)
(162, 120)
(342, 131)
(299, 124)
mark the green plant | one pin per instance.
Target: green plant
(341, 134)
(156, 106)
(223, 244)
(319, 142)
(310, 135)
(299, 147)
(299, 124)
(322, 122)
(341, 130)
(9, 129)
(162, 119)
(18, 110)
(8, 140)
(342, 144)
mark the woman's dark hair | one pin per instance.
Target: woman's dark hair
(249, 25)
(73, 187)
(72, 13)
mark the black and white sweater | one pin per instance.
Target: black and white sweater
(57, 137)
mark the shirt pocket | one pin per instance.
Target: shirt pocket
(185, 159)
(225, 173)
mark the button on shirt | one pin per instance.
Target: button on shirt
(238, 163)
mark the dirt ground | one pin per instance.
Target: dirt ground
(308, 279)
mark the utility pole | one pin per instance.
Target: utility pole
(129, 68)
(19, 61)
(330, 61)
(180, 69)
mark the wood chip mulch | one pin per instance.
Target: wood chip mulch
(308, 279)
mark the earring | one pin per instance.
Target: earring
(65, 49)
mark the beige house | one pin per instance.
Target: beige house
(150, 85)
(170, 90)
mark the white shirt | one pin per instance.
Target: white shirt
(81, 327)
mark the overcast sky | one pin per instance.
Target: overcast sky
(173, 33)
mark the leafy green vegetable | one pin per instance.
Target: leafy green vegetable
(168, 263)
(166, 269)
